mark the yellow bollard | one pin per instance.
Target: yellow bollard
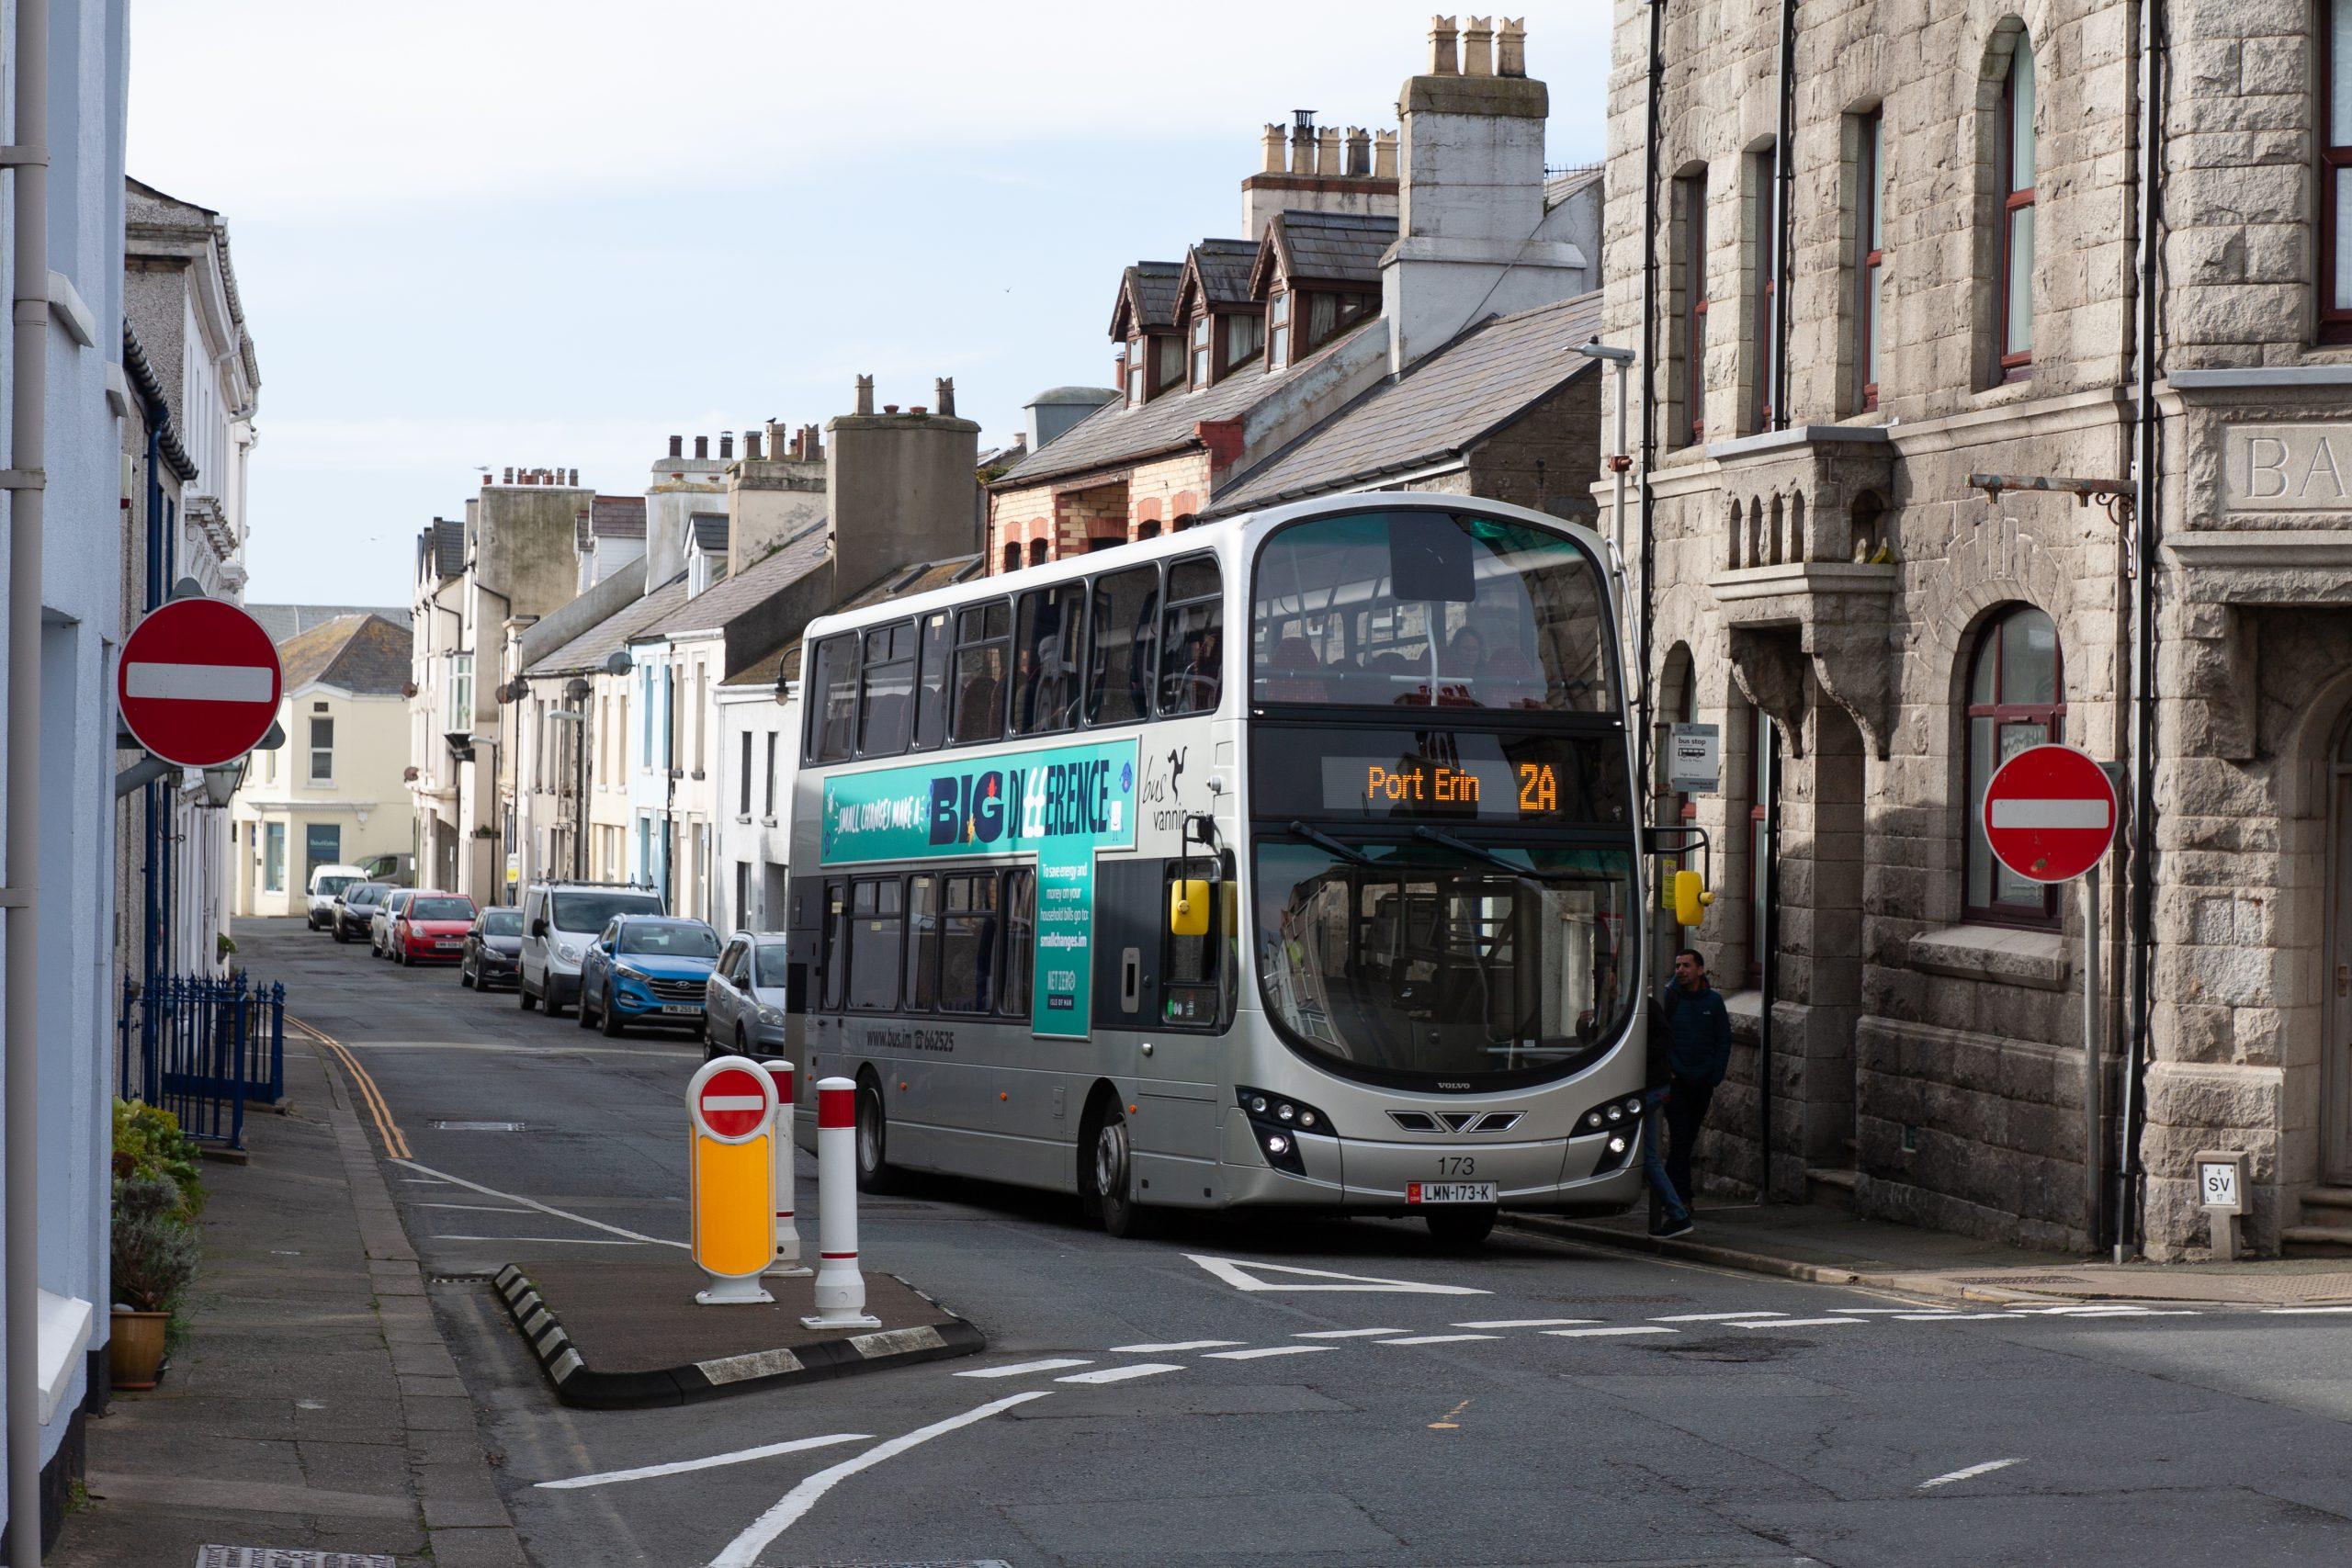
(731, 1117)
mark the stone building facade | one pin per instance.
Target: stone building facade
(1873, 632)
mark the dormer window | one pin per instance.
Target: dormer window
(1138, 374)
(1278, 331)
(1202, 329)
(1245, 335)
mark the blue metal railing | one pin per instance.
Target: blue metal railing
(199, 1047)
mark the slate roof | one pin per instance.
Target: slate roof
(283, 621)
(709, 532)
(1218, 269)
(449, 546)
(1324, 247)
(364, 654)
(586, 653)
(1480, 381)
(1560, 187)
(1146, 298)
(617, 517)
(784, 662)
(1116, 433)
(715, 605)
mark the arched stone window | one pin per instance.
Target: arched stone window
(1013, 555)
(1796, 527)
(2017, 698)
(1037, 549)
(1865, 523)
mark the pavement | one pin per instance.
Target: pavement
(1827, 1245)
(315, 1405)
(1277, 1389)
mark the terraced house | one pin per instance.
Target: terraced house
(1891, 262)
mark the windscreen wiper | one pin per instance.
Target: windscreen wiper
(1329, 844)
(1473, 852)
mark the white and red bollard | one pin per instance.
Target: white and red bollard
(839, 1288)
(786, 1263)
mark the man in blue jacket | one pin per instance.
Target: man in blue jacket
(1698, 1053)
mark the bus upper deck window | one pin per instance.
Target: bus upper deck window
(1047, 659)
(983, 650)
(1192, 642)
(833, 714)
(931, 681)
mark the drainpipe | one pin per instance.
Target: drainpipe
(28, 438)
(1784, 174)
(1648, 742)
(2145, 500)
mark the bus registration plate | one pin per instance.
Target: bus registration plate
(1449, 1192)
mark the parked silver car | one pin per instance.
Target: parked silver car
(742, 1007)
(379, 924)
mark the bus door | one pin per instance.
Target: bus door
(1158, 994)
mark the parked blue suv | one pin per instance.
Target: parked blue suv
(647, 969)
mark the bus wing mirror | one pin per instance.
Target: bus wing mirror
(1691, 899)
(1188, 907)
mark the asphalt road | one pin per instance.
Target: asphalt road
(1186, 1401)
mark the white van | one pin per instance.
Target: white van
(560, 919)
(326, 882)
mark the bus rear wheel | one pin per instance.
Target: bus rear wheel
(1114, 1177)
(874, 1172)
(1461, 1228)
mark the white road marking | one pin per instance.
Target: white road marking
(543, 1240)
(1172, 1348)
(424, 1181)
(198, 682)
(542, 1207)
(1714, 1316)
(1606, 1333)
(1987, 1467)
(1866, 1312)
(1439, 1338)
(1527, 1323)
(1120, 1374)
(1244, 1277)
(744, 1550)
(2305, 1312)
(1347, 1333)
(740, 1456)
(1268, 1351)
(477, 1208)
(1053, 1364)
(1794, 1323)
(1957, 1316)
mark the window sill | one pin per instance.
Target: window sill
(743, 821)
(767, 822)
(2033, 959)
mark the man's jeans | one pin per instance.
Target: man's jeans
(1686, 1109)
(1653, 1157)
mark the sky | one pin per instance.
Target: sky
(501, 233)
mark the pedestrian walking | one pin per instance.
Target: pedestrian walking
(1669, 1215)
(1698, 1030)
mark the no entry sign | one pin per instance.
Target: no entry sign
(198, 682)
(2050, 813)
(731, 1102)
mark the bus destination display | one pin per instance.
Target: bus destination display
(1440, 775)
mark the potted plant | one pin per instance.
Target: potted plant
(155, 1261)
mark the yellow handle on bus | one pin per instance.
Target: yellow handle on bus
(1188, 909)
(1688, 898)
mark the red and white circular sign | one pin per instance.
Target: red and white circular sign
(198, 682)
(2050, 813)
(732, 1099)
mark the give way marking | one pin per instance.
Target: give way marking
(1245, 1277)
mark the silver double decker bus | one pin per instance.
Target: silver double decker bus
(1289, 860)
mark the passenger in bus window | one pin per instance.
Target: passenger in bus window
(1466, 651)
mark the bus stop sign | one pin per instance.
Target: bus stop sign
(2050, 813)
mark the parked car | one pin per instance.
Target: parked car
(354, 908)
(647, 969)
(743, 1004)
(392, 871)
(560, 922)
(379, 924)
(432, 928)
(326, 882)
(493, 944)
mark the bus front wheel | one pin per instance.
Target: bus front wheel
(1460, 1228)
(1115, 1175)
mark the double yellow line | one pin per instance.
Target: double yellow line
(395, 1141)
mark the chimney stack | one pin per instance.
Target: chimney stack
(1273, 149)
(1443, 59)
(575, 478)
(1302, 142)
(865, 394)
(814, 446)
(943, 396)
(1326, 152)
(750, 445)
(1359, 152)
(510, 477)
(726, 446)
(1511, 47)
(702, 448)
(677, 446)
(1478, 47)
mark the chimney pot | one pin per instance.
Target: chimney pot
(1326, 152)
(889, 408)
(1302, 143)
(1273, 149)
(1383, 155)
(510, 477)
(943, 396)
(865, 394)
(918, 411)
(750, 445)
(1443, 59)
(726, 446)
(1359, 152)
(677, 446)
(1478, 47)
(1511, 47)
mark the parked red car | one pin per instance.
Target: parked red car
(432, 928)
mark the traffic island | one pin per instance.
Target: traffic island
(631, 1337)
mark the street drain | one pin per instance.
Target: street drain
(281, 1557)
(1728, 1349)
(477, 1126)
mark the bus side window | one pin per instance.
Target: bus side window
(886, 690)
(835, 958)
(876, 930)
(832, 714)
(970, 934)
(1046, 651)
(1019, 935)
(1191, 637)
(931, 681)
(1118, 665)
(983, 650)
(922, 940)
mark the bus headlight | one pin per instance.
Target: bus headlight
(1614, 1114)
(1275, 1119)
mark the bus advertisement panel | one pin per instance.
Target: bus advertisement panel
(1062, 806)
